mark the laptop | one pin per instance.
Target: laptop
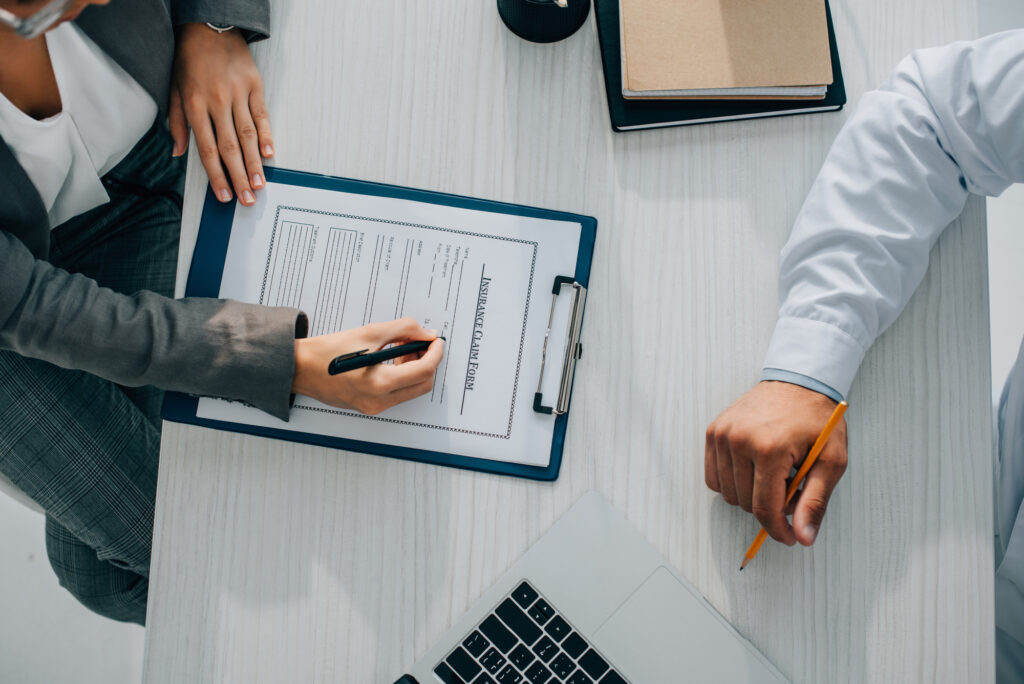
(592, 601)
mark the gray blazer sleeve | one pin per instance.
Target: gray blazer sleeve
(201, 346)
(252, 16)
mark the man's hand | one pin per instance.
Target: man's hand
(752, 446)
(217, 90)
(374, 388)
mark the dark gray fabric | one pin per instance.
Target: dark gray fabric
(83, 448)
(22, 211)
(100, 586)
(202, 346)
(253, 18)
(87, 328)
(139, 36)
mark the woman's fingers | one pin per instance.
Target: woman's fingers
(231, 155)
(248, 140)
(219, 86)
(375, 388)
(408, 357)
(412, 392)
(232, 146)
(382, 334)
(392, 384)
(177, 123)
(209, 154)
(402, 375)
(258, 110)
(375, 405)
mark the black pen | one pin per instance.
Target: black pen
(365, 357)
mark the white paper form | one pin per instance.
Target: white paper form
(482, 280)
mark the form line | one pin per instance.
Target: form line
(447, 357)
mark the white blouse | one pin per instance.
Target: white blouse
(104, 113)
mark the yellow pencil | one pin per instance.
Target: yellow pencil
(819, 444)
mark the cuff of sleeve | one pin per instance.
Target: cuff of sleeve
(253, 21)
(301, 332)
(802, 380)
(266, 360)
(816, 350)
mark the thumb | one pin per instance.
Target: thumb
(177, 123)
(814, 496)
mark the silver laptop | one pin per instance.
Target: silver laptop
(592, 601)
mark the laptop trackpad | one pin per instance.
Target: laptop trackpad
(665, 633)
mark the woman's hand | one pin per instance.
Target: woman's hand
(217, 90)
(374, 388)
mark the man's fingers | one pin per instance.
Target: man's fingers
(177, 123)
(259, 117)
(769, 500)
(817, 490)
(743, 475)
(791, 506)
(231, 156)
(810, 509)
(711, 460)
(764, 433)
(725, 478)
(250, 144)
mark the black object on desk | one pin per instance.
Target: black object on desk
(629, 115)
(543, 21)
(365, 357)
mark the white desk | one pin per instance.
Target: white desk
(275, 562)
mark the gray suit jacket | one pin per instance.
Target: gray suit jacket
(203, 346)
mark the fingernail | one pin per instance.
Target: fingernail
(433, 332)
(224, 194)
(247, 197)
(176, 152)
(810, 531)
(268, 151)
(257, 180)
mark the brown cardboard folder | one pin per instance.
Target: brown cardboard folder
(673, 46)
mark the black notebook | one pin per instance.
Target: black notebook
(628, 115)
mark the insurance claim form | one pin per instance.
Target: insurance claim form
(483, 280)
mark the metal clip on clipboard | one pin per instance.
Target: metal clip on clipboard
(573, 347)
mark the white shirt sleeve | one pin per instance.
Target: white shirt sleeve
(949, 122)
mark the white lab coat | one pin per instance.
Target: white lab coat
(1010, 527)
(949, 122)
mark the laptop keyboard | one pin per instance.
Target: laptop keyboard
(525, 641)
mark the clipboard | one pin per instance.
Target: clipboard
(204, 280)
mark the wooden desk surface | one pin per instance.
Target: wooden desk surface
(275, 562)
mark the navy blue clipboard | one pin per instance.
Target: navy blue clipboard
(204, 280)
